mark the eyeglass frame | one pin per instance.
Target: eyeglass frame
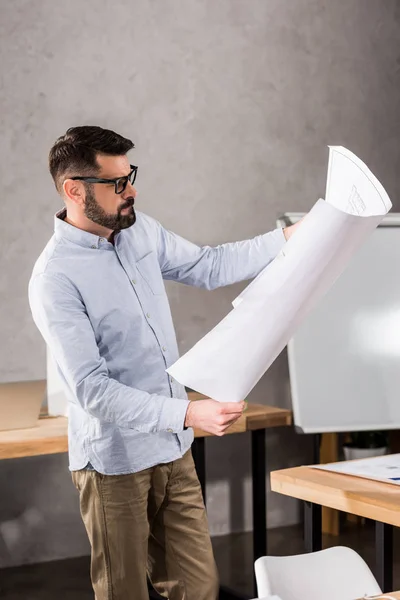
(115, 181)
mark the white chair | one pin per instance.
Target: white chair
(334, 574)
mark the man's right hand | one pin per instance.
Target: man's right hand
(213, 417)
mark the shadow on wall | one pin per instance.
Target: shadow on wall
(39, 511)
(19, 531)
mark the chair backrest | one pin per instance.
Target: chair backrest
(337, 573)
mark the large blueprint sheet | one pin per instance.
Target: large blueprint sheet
(228, 362)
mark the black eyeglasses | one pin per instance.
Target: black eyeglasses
(120, 183)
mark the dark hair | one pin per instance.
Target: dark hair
(74, 153)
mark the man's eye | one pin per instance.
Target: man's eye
(121, 184)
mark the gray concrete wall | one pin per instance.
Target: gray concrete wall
(231, 105)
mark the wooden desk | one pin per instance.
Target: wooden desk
(51, 434)
(49, 437)
(392, 594)
(363, 497)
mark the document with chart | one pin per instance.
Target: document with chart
(228, 362)
(380, 468)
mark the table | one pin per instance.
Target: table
(362, 497)
(392, 594)
(51, 437)
(395, 595)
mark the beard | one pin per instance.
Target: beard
(98, 215)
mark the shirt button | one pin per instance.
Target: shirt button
(171, 379)
(170, 430)
(94, 247)
(148, 315)
(102, 240)
(133, 281)
(164, 349)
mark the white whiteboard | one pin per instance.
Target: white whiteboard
(344, 361)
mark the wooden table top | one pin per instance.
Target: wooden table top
(383, 596)
(363, 497)
(51, 434)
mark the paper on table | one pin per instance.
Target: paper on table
(380, 468)
(228, 362)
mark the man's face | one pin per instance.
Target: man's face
(102, 205)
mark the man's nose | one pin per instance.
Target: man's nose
(129, 191)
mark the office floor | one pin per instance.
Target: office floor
(69, 579)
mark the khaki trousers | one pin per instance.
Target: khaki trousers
(152, 523)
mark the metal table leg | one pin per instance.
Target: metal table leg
(199, 457)
(228, 594)
(384, 555)
(259, 471)
(312, 526)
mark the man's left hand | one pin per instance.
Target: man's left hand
(289, 231)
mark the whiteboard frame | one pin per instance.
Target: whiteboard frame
(287, 219)
(290, 218)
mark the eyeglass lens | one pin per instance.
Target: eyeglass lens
(123, 182)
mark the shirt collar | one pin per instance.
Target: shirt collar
(62, 229)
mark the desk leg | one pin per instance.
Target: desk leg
(227, 594)
(259, 471)
(199, 457)
(312, 526)
(384, 555)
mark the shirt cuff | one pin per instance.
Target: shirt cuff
(172, 415)
(276, 240)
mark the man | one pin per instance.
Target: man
(98, 298)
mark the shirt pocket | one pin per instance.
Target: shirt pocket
(150, 271)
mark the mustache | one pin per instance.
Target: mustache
(128, 203)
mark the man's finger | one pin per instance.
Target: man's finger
(229, 423)
(226, 420)
(232, 407)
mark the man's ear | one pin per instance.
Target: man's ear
(75, 191)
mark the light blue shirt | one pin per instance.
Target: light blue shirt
(103, 311)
